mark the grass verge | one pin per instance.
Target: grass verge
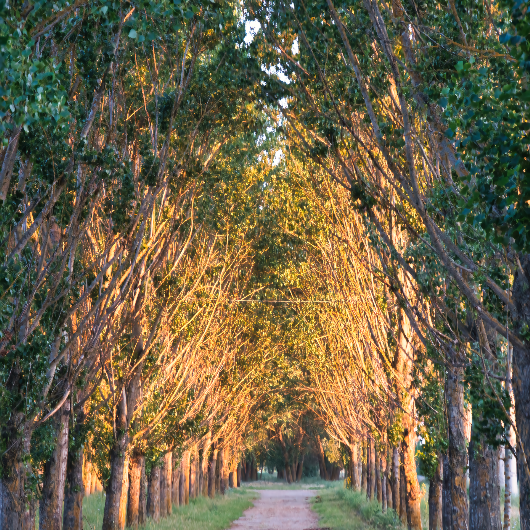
(200, 514)
(342, 509)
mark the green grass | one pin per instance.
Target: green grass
(342, 509)
(272, 482)
(200, 514)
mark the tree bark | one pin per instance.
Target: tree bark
(364, 467)
(389, 501)
(457, 448)
(111, 514)
(51, 504)
(382, 465)
(321, 459)
(182, 483)
(185, 470)
(239, 474)
(165, 486)
(153, 495)
(371, 469)
(211, 473)
(73, 496)
(507, 489)
(204, 463)
(142, 503)
(222, 464)
(396, 480)
(378, 485)
(402, 494)
(175, 482)
(446, 494)
(300, 469)
(135, 475)
(484, 486)
(122, 516)
(193, 474)
(435, 497)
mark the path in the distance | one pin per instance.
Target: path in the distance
(279, 510)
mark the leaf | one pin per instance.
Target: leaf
(133, 34)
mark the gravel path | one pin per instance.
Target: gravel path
(279, 510)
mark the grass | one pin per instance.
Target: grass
(201, 514)
(342, 509)
(271, 481)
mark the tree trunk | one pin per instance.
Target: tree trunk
(382, 465)
(396, 480)
(51, 504)
(212, 473)
(321, 459)
(371, 469)
(87, 477)
(457, 448)
(193, 474)
(142, 503)
(222, 464)
(300, 469)
(182, 483)
(231, 479)
(507, 489)
(521, 387)
(364, 467)
(389, 501)
(153, 495)
(175, 487)
(111, 514)
(135, 475)
(435, 497)
(484, 486)
(165, 486)
(254, 468)
(204, 463)
(356, 483)
(378, 484)
(446, 494)
(73, 496)
(402, 494)
(122, 518)
(239, 474)
(185, 470)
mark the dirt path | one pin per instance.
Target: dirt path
(279, 510)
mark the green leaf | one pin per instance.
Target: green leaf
(133, 34)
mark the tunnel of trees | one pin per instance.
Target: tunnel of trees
(264, 234)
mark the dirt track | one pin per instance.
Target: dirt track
(279, 510)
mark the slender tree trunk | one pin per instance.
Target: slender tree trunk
(222, 464)
(254, 468)
(111, 515)
(204, 463)
(371, 472)
(153, 495)
(142, 502)
(446, 494)
(507, 488)
(457, 448)
(402, 493)
(73, 496)
(135, 475)
(185, 470)
(87, 477)
(166, 480)
(51, 504)
(389, 501)
(175, 487)
(212, 473)
(378, 484)
(484, 486)
(300, 469)
(356, 483)
(321, 459)
(396, 480)
(193, 474)
(435, 497)
(364, 468)
(182, 483)
(239, 474)
(382, 465)
(122, 518)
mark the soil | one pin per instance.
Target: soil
(279, 510)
